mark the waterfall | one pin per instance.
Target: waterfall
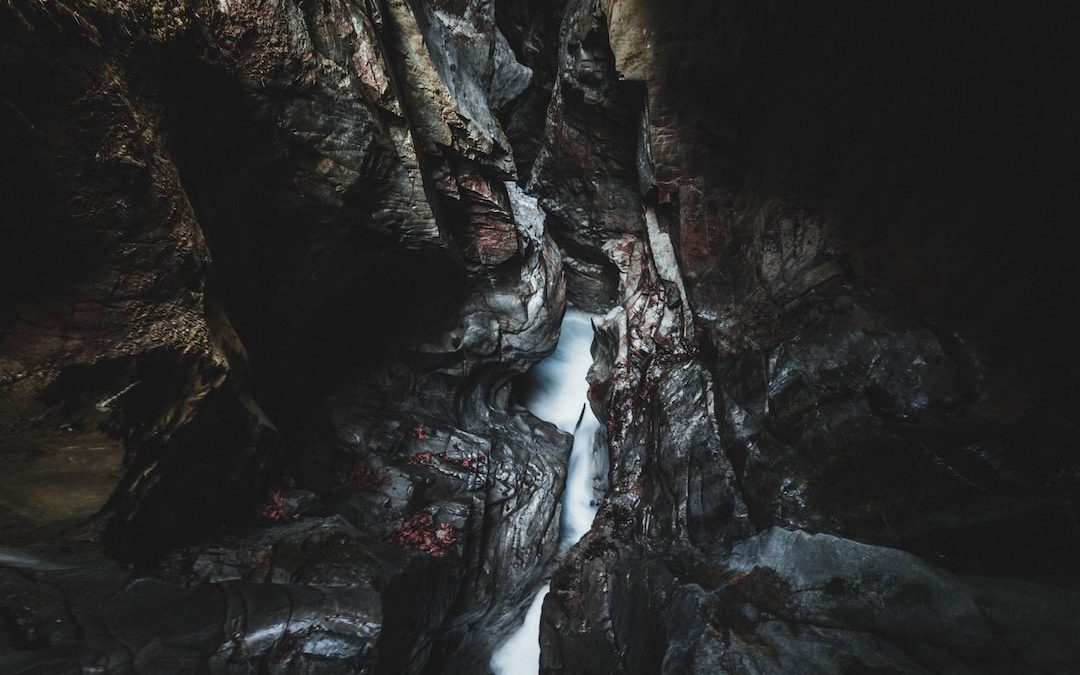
(556, 391)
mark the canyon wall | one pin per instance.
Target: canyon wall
(270, 268)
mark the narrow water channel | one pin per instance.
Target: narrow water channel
(555, 391)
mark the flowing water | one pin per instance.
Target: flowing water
(556, 391)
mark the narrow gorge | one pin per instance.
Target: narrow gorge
(571, 337)
(556, 390)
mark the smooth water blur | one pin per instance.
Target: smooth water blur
(520, 654)
(579, 497)
(555, 390)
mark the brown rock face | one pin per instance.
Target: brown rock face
(106, 330)
(276, 133)
(249, 249)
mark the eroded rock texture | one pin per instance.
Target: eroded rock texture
(822, 336)
(268, 262)
(269, 268)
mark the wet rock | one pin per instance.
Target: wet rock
(875, 381)
(474, 509)
(760, 371)
(532, 32)
(919, 618)
(586, 173)
(786, 601)
(299, 502)
(102, 618)
(345, 168)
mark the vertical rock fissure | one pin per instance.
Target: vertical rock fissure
(557, 392)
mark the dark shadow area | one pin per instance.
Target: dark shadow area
(46, 247)
(42, 252)
(919, 156)
(208, 478)
(312, 292)
(941, 140)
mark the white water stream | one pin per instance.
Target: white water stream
(558, 395)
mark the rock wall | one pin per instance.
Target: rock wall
(270, 268)
(804, 341)
(269, 263)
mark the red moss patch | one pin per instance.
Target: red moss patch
(360, 476)
(418, 533)
(422, 459)
(274, 509)
(476, 465)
